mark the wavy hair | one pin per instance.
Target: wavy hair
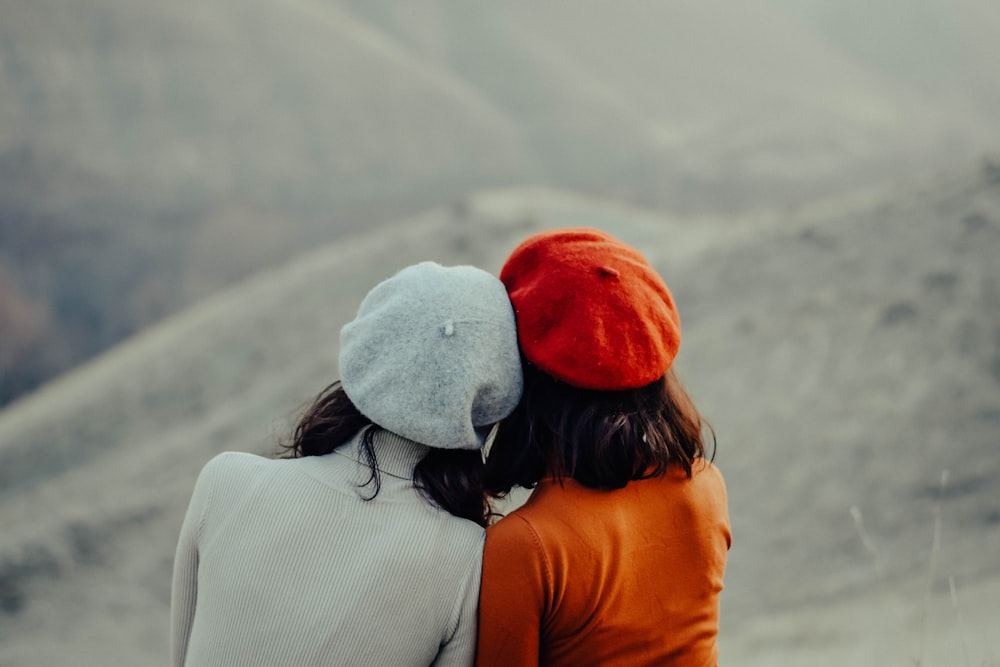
(601, 439)
(451, 479)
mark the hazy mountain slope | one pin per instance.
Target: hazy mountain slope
(273, 103)
(864, 341)
(856, 360)
(845, 355)
(707, 105)
(943, 51)
(154, 152)
(196, 142)
(316, 103)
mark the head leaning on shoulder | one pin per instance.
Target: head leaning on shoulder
(432, 355)
(599, 331)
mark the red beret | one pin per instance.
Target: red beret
(590, 309)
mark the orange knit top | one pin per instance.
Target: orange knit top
(631, 576)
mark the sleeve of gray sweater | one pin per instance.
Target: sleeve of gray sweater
(460, 649)
(184, 593)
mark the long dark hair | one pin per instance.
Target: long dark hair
(601, 439)
(452, 479)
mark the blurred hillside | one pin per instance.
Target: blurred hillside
(152, 153)
(845, 354)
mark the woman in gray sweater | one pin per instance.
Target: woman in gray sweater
(362, 545)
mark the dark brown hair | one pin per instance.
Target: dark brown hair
(452, 479)
(601, 439)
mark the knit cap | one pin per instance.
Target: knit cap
(432, 355)
(590, 309)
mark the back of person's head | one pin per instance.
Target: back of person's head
(599, 331)
(431, 356)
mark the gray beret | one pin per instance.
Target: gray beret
(432, 355)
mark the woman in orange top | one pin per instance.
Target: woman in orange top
(617, 558)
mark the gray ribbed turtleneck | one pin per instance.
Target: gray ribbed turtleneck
(284, 562)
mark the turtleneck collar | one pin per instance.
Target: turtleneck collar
(395, 455)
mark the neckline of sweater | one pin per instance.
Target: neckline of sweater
(394, 455)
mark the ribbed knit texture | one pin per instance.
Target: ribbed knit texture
(283, 562)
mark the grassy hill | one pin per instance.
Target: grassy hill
(846, 354)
